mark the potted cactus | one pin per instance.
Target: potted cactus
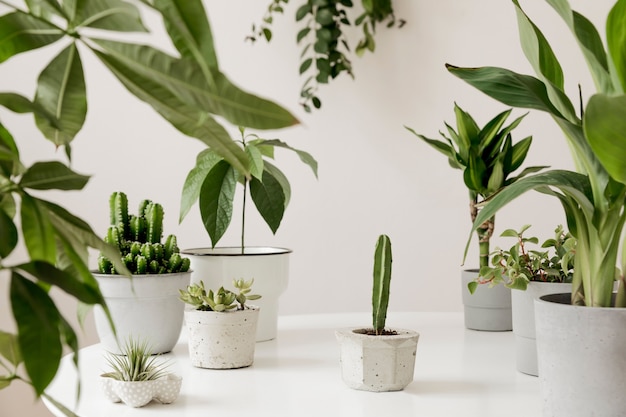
(221, 327)
(376, 358)
(146, 305)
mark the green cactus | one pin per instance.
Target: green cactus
(138, 238)
(382, 279)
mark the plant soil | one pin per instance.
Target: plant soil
(372, 332)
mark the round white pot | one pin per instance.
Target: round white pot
(268, 266)
(222, 340)
(145, 308)
(580, 353)
(377, 363)
(523, 309)
(488, 309)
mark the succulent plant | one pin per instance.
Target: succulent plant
(138, 238)
(221, 300)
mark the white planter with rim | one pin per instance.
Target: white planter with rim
(580, 353)
(146, 309)
(377, 363)
(488, 309)
(139, 393)
(222, 340)
(268, 266)
(523, 309)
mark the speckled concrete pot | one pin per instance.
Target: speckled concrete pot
(137, 394)
(377, 363)
(222, 340)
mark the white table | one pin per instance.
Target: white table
(458, 373)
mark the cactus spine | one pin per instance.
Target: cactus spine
(138, 238)
(382, 279)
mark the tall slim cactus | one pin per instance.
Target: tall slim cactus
(382, 279)
(138, 238)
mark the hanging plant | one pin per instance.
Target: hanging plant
(325, 47)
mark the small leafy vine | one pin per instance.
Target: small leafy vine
(325, 48)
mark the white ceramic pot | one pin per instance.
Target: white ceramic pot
(523, 309)
(488, 309)
(139, 393)
(580, 353)
(377, 363)
(222, 340)
(145, 308)
(268, 266)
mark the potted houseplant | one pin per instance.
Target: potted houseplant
(137, 376)
(212, 184)
(221, 328)
(580, 335)
(488, 157)
(531, 273)
(145, 305)
(378, 359)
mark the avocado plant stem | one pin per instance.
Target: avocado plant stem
(243, 215)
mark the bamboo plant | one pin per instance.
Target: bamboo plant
(488, 157)
(594, 197)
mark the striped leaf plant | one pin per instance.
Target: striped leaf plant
(593, 197)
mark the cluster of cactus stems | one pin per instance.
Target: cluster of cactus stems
(138, 238)
(221, 300)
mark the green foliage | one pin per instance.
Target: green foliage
(135, 363)
(213, 182)
(488, 157)
(220, 300)
(323, 36)
(138, 238)
(594, 198)
(382, 280)
(520, 265)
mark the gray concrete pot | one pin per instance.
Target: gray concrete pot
(523, 309)
(377, 363)
(580, 353)
(488, 309)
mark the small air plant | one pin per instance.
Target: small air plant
(135, 363)
(221, 300)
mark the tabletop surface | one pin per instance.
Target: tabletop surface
(458, 372)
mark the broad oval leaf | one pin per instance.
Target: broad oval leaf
(115, 15)
(38, 321)
(9, 234)
(216, 200)
(605, 129)
(52, 175)
(37, 230)
(256, 160)
(21, 32)
(281, 178)
(305, 157)
(616, 39)
(205, 161)
(61, 92)
(269, 199)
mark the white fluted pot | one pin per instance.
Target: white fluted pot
(487, 309)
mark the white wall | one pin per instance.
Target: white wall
(375, 177)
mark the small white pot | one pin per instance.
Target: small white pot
(268, 266)
(146, 309)
(580, 352)
(377, 363)
(139, 393)
(523, 309)
(488, 309)
(222, 340)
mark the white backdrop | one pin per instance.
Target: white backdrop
(374, 176)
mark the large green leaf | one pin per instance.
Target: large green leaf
(189, 120)
(188, 26)
(269, 199)
(37, 230)
(21, 32)
(216, 200)
(8, 231)
(48, 273)
(205, 161)
(61, 92)
(281, 178)
(38, 321)
(185, 79)
(605, 129)
(52, 175)
(305, 157)
(45, 9)
(616, 39)
(255, 156)
(9, 348)
(115, 15)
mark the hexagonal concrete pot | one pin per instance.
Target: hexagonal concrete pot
(377, 363)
